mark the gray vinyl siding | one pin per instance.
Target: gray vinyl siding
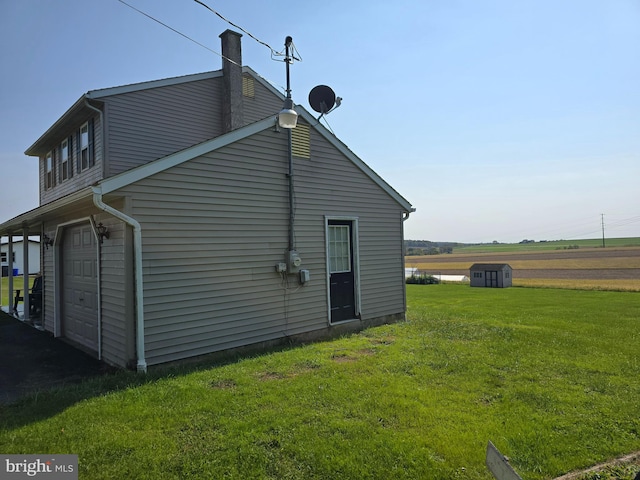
(48, 278)
(149, 124)
(116, 278)
(78, 180)
(262, 105)
(214, 228)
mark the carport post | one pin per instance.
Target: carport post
(1, 278)
(10, 272)
(25, 272)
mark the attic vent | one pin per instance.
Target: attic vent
(300, 140)
(248, 89)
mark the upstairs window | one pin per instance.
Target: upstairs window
(48, 169)
(84, 147)
(64, 160)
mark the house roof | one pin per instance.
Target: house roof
(32, 219)
(489, 266)
(82, 108)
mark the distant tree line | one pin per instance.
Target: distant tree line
(425, 247)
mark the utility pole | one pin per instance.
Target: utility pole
(602, 215)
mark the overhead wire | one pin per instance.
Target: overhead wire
(295, 54)
(273, 51)
(178, 32)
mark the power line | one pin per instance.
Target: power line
(273, 51)
(295, 55)
(178, 32)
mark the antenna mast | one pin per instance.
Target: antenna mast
(602, 215)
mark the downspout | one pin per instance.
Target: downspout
(99, 274)
(137, 254)
(405, 217)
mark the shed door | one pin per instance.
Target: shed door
(79, 287)
(491, 279)
(341, 271)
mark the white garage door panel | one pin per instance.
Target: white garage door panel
(80, 292)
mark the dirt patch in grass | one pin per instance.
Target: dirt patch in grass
(344, 358)
(627, 467)
(223, 384)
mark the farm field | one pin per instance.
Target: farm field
(548, 246)
(615, 268)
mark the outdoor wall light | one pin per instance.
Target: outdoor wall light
(46, 241)
(102, 232)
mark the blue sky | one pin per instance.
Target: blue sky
(497, 119)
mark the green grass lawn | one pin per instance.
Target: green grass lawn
(552, 377)
(4, 288)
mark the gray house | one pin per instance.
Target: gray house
(496, 275)
(183, 221)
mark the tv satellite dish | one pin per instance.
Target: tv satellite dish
(322, 99)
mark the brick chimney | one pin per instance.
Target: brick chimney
(232, 117)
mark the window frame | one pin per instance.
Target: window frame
(83, 150)
(65, 159)
(355, 262)
(48, 170)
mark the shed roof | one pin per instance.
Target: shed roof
(490, 266)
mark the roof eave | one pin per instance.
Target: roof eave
(75, 114)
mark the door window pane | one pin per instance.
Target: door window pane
(339, 249)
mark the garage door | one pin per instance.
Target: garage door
(79, 287)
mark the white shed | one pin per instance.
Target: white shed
(33, 248)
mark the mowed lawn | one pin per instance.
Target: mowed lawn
(552, 377)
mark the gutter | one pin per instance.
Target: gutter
(137, 254)
(406, 214)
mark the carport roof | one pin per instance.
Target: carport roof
(33, 219)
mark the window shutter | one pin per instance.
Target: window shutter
(54, 166)
(78, 166)
(70, 160)
(90, 153)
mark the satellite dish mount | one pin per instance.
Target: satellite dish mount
(323, 100)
